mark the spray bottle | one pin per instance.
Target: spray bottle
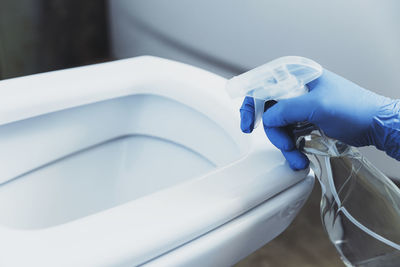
(360, 206)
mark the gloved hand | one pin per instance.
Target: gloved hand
(342, 109)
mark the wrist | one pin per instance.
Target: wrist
(386, 128)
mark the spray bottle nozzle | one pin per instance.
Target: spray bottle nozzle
(281, 78)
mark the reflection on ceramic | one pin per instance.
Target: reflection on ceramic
(137, 161)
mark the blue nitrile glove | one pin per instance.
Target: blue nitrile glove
(342, 109)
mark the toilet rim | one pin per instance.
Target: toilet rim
(201, 204)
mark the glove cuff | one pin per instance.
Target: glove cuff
(386, 128)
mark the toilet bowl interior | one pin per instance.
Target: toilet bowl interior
(72, 163)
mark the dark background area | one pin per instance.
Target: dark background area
(42, 35)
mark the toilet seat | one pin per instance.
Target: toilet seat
(150, 228)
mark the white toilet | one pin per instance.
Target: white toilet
(136, 162)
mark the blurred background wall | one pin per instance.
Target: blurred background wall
(42, 35)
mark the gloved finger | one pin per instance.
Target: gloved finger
(296, 159)
(289, 111)
(247, 115)
(280, 138)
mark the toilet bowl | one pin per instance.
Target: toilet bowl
(136, 162)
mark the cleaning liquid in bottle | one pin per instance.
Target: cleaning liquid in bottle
(360, 206)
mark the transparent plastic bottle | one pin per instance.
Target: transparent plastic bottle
(360, 206)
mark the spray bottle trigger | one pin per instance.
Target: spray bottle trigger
(258, 111)
(260, 106)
